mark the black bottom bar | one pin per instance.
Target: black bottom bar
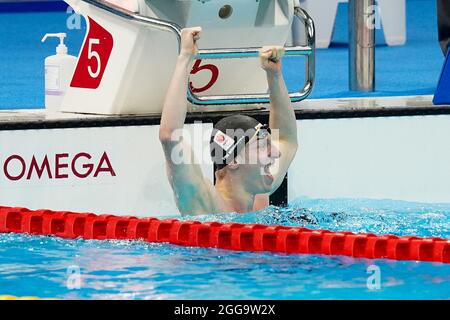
(245, 309)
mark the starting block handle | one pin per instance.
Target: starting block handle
(129, 15)
(308, 51)
(248, 52)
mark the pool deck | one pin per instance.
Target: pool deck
(309, 109)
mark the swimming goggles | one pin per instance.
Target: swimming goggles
(261, 132)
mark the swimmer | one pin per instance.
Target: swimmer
(241, 185)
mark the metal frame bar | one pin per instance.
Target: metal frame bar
(361, 56)
(308, 51)
(129, 15)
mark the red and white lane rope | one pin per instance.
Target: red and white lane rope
(230, 236)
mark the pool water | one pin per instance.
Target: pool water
(78, 269)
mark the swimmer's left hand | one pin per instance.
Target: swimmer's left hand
(270, 57)
(189, 38)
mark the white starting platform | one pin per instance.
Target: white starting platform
(130, 50)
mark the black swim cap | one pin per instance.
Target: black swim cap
(230, 135)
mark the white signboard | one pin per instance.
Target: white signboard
(112, 170)
(400, 158)
(121, 171)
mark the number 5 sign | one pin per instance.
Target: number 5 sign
(214, 71)
(93, 58)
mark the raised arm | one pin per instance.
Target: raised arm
(282, 116)
(193, 193)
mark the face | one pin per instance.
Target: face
(256, 164)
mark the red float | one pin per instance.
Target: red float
(231, 236)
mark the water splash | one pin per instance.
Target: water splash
(354, 215)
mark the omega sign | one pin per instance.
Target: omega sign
(57, 166)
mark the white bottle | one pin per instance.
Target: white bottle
(59, 70)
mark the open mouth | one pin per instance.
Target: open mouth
(266, 171)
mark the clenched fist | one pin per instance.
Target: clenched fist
(189, 37)
(270, 57)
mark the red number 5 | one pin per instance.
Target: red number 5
(214, 75)
(93, 58)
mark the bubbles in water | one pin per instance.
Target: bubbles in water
(354, 215)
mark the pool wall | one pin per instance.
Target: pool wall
(117, 167)
(402, 158)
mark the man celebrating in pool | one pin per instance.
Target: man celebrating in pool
(243, 150)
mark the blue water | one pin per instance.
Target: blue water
(38, 266)
(411, 69)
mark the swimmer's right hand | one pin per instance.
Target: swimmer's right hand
(189, 37)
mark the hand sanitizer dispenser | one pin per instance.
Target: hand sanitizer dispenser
(59, 70)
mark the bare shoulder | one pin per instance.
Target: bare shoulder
(204, 200)
(261, 202)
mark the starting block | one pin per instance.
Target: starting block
(130, 49)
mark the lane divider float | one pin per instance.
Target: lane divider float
(229, 236)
